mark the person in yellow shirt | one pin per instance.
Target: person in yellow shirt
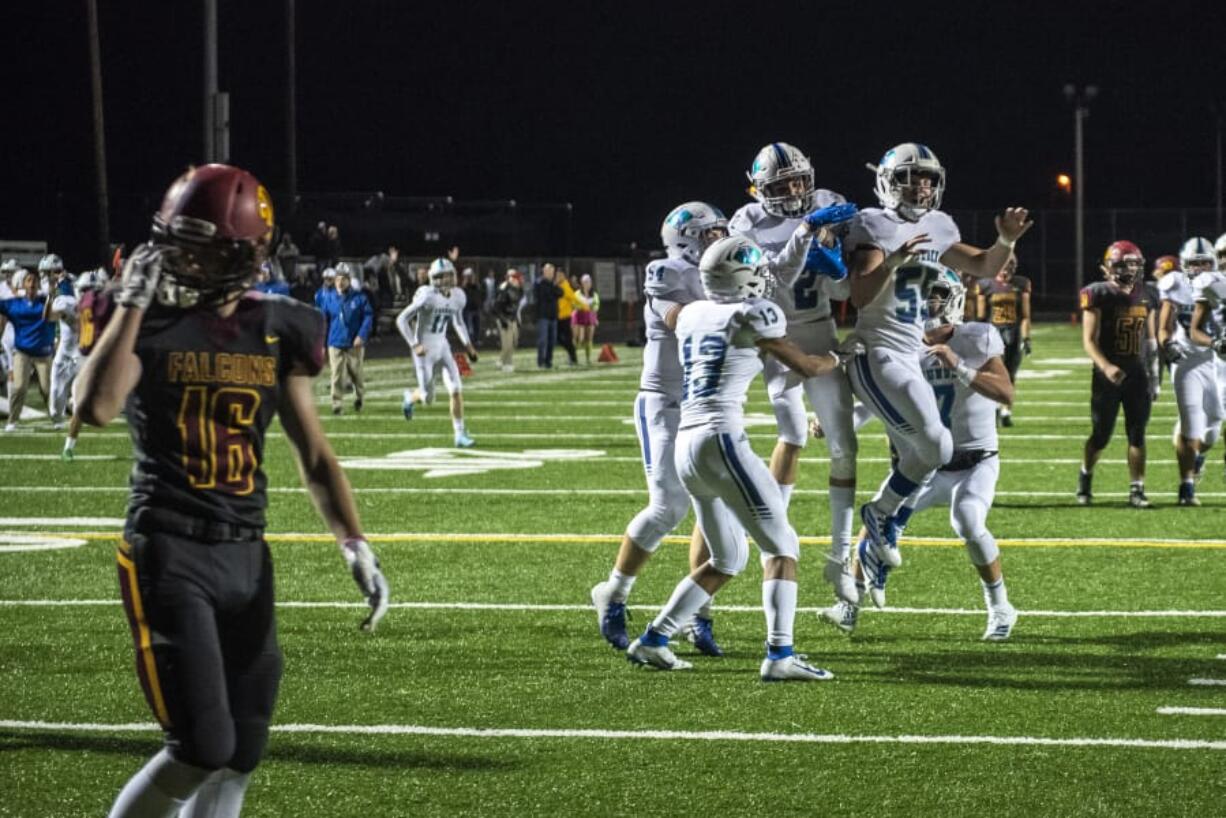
(583, 320)
(567, 305)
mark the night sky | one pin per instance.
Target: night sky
(624, 109)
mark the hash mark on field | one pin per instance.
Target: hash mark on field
(571, 607)
(1192, 711)
(654, 735)
(1208, 682)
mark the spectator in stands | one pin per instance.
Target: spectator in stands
(317, 245)
(546, 295)
(475, 301)
(350, 318)
(287, 257)
(33, 341)
(332, 246)
(584, 319)
(506, 305)
(381, 268)
(566, 308)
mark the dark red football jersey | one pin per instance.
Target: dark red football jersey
(94, 310)
(208, 389)
(1121, 320)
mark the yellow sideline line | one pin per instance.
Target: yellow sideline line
(938, 542)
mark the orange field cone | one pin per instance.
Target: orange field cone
(607, 355)
(461, 362)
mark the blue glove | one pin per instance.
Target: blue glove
(834, 214)
(826, 261)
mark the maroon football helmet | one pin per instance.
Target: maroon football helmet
(219, 220)
(1123, 263)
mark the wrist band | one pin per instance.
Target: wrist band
(1003, 242)
(964, 373)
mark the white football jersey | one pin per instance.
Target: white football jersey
(969, 416)
(434, 311)
(1210, 287)
(895, 318)
(1179, 291)
(804, 297)
(8, 337)
(668, 281)
(717, 344)
(66, 306)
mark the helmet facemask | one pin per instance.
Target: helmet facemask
(1126, 271)
(917, 190)
(200, 271)
(946, 304)
(789, 195)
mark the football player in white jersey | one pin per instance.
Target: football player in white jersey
(721, 343)
(61, 306)
(1194, 375)
(424, 326)
(670, 284)
(1208, 324)
(964, 365)
(789, 214)
(889, 290)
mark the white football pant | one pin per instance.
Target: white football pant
(1198, 397)
(427, 366)
(64, 369)
(969, 494)
(655, 422)
(733, 493)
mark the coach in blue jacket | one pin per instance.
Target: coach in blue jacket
(34, 341)
(350, 318)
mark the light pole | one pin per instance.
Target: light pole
(1080, 97)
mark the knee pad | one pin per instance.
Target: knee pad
(731, 563)
(793, 425)
(1211, 436)
(844, 467)
(981, 548)
(209, 744)
(653, 523)
(1099, 438)
(1136, 435)
(251, 737)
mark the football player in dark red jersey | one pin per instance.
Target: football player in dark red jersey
(1118, 335)
(1004, 302)
(200, 367)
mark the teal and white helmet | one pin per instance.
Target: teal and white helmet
(691, 228)
(51, 263)
(945, 295)
(899, 175)
(733, 269)
(90, 280)
(774, 169)
(442, 274)
(9, 267)
(1197, 255)
(1219, 249)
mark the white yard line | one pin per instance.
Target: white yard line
(529, 607)
(543, 492)
(1207, 682)
(1192, 711)
(653, 735)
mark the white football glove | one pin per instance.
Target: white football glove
(364, 566)
(139, 280)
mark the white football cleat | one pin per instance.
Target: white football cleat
(1000, 624)
(838, 573)
(659, 657)
(843, 615)
(793, 668)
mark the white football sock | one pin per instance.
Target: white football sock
(705, 610)
(687, 598)
(221, 796)
(842, 511)
(70, 443)
(159, 789)
(995, 594)
(620, 585)
(458, 425)
(779, 602)
(786, 490)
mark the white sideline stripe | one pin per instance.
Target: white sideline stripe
(651, 735)
(589, 492)
(1192, 711)
(572, 607)
(80, 522)
(1207, 682)
(57, 457)
(1221, 656)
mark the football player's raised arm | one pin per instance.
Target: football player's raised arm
(1200, 316)
(1010, 227)
(321, 473)
(112, 370)
(808, 366)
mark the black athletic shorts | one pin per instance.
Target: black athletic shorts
(1106, 399)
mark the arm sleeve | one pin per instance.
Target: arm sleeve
(786, 265)
(407, 316)
(457, 320)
